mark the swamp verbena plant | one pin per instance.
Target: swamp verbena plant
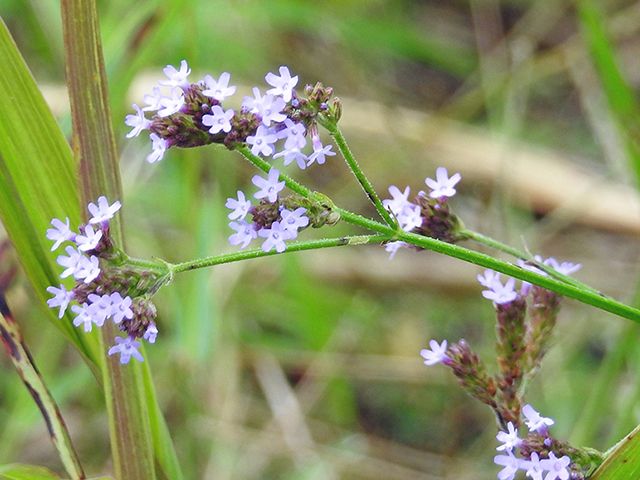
(278, 125)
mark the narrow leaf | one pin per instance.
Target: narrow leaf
(622, 462)
(16, 471)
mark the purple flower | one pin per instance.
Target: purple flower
(176, 78)
(393, 247)
(533, 466)
(61, 298)
(566, 268)
(103, 211)
(171, 105)
(85, 316)
(219, 120)
(139, 122)
(101, 307)
(120, 307)
(127, 348)
(536, 423)
(511, 466)
(262, 142)
(489, 276)
(400, 200)
(319, 153)
(510, 440)
(244, 233)
(437, 354)
(410, 217)
(271, 110)
(90, 239)
(270, 187)
(501, 294)
(293, 154)
(254, 104)
(557, 467)
(151, 333)
(240, 206)
(60, 233)
(292, 221)
(443, 185)
(283, 85)
(158, 146)
(88, 269)
(275, 237)
(218, 89)
(70, 263)
(153, 101)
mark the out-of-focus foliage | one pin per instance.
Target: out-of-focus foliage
(335, 335)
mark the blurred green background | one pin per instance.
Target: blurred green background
(307, 366)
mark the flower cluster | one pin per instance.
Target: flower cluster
(429, 215)
(192, 115)
(523, 331)
(271, 218)
(534, 465)
(102, 292)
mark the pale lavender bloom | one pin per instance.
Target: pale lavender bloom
(489, 276)
(90, 239)
(566, 268)
(271, 110)
(275, 237)
(60, 233)
(127, 348)
(511, 465)
(71, 263)
(501, 294)
(510, 439)
(268, 187)
(399, 202)
(393, 247)
(219, 120)
(283, 85)
(218, 89)
(557, 467)
(244, 233)
(295, 137)
(536, 423)
(139, 122)
(253, 105)
(103, 211)
(88, 269)
(151, 333)
(262, 142)
(120, 307)
(437, 354)
(171, 105)
(319, 153)
(61, 298)
(443, 185)
(533, 466)
(85, 316)
(293, 154)
(240, 206)
(176, 78)
(153, 101)
(291, 128)
(292, 221)
(410, 217)
(158, 147)
(101, 307)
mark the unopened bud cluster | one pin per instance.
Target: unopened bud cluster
(106, 286)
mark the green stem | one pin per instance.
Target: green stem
(257, 253)
(341, 142)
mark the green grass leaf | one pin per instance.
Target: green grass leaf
(622, 462)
